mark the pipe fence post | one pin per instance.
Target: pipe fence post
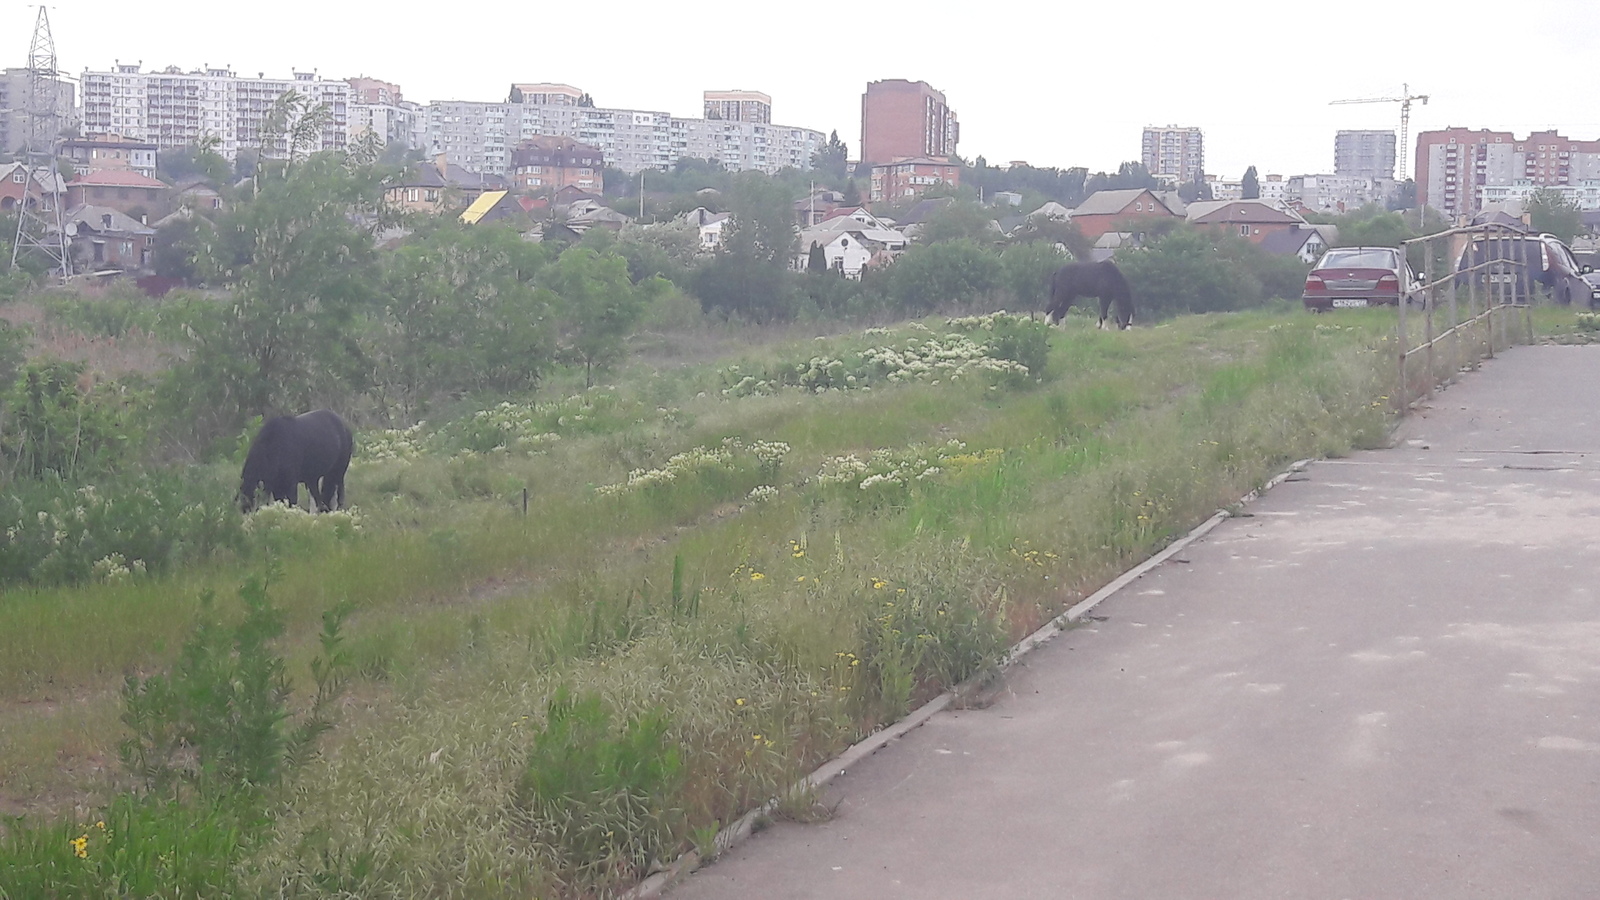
(1427, 315)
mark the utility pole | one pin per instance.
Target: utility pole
(41, 226)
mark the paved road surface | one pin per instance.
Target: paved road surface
(1384, 683)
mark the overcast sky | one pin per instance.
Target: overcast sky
(1052, 83)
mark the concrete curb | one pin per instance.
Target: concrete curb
(658, 883)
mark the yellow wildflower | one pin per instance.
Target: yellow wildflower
(738, 701)
(80, 846)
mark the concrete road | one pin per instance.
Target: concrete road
(1385, 682)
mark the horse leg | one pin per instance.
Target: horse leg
(1105, 309)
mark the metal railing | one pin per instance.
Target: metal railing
(1477, 319)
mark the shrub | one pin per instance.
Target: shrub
(220, 719)
(602, 792)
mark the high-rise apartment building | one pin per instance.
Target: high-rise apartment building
(1459, 169)
(1174, 153)
(173, 108)
(481, 136)
(738, 106)
(1364, 154)
(901, 119)
(15, 91)
(545, 94)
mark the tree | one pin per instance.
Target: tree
(1194, 191)
(1372, 226)
(852, 194)
(1131, 174)
(1551, 213)
(960, 221)
(1189, 270)
(1026, 270)
(831, 160)
(302, 267)
(816, 259)
(585, 100)
(1405, 195)
(599, 306)
(952, 273)
(1250, 185)
(462, 313)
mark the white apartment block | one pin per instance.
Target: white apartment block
(1338, 193)
(1174, 153)
(16, 92)
(173, 108)
(1273, 188)
(480, 136)
(390, 122)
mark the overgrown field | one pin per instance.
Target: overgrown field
(725, 573)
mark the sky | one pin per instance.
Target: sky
(1061, 83)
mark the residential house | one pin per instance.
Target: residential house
(710, 224)
(1053, 211)
(107, 238)
(468, 184)
(572, 194)
(850, 244)
(915, 218)
(123, 190)
(601, 217)
(197, 193)
(816, 206)
(428, 187)
(1107, 245)
(419, 189)
(551, 162)
(860, 214)
(911, 177)
(1307, 242)
(491, 206)
(18, 187)
(1105, 211)
(1253, 220)
(90, 155)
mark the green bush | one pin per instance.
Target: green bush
(602, 791)
(119, 527)
(220, 720)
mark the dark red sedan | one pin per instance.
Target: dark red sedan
(1358, 276)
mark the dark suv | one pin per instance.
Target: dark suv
(1545, 260)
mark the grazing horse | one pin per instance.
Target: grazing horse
(312, 449)
(1102, 279)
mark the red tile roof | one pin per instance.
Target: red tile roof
(116, 178)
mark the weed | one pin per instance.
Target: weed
(599, 790)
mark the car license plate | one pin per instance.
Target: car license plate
(1348, 302)
(1500, 279)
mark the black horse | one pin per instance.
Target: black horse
(1102, 279)
(312, 449)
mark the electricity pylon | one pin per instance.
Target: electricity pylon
(41, 226)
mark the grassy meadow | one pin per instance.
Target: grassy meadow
(728, 570)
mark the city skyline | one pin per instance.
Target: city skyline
(1083, 102)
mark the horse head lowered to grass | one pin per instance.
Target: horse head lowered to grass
(1102, 279)
(312, 449)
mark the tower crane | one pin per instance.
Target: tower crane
(1404, 100)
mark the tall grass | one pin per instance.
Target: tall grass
(691, 646)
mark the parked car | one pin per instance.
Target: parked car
(1545, 261)
(1359, 276)
(1592, 279)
